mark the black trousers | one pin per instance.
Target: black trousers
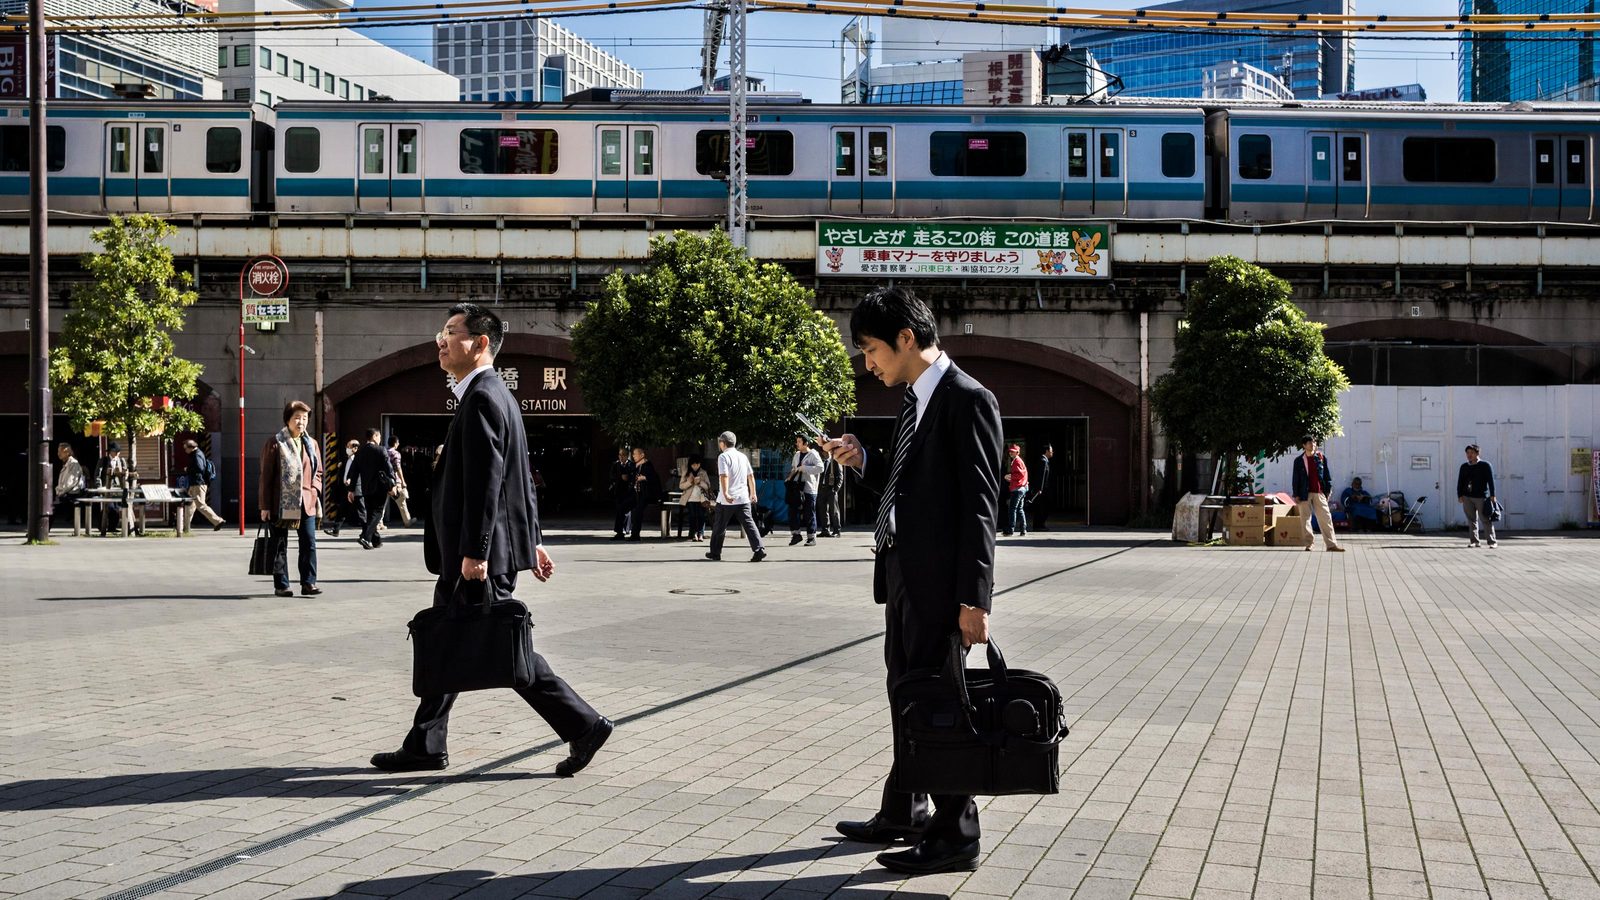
(553, 699)
(803, 517)
(727, 513)
(911, 642)
(306, 531)
(369, 511)
(640, 504)
(1039, 509)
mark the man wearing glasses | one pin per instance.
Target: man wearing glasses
(485, 527)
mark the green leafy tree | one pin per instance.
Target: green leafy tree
(1249, 377)
(116, 352)
(704, 340)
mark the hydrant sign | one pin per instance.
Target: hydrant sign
(261, 286)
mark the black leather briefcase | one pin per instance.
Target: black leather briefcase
(471, 646)
(974, 732)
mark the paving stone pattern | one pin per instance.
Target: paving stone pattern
(1409, 719)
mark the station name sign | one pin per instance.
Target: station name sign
(963, 250)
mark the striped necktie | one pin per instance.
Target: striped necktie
(904, 429)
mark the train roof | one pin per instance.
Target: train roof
(1520, 107)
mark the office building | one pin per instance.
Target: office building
(320, 64)
(1161, 63)
(526, 60)
(1496, 68)
(179, 66)
(921, 60)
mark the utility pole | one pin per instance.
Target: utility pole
(738, 181)
(40, 430)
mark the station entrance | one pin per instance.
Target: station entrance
(561, 452)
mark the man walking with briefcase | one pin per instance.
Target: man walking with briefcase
(485, 528)
(935, 537)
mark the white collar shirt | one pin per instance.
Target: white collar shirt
(924, 387)
(462, 383)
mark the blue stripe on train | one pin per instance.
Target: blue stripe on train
(1394, 195)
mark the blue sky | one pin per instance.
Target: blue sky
(800, 52)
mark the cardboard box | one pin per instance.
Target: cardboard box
(1249, 516)
(1289, 531)
(1246, 537)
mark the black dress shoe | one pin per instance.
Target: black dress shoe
(283, 592)
(795, 539)
(309, 590)
(365, 544)
(585, 747)
(936, 855)
(404, 760)
(713, 557)
(218, 526)
(878, 830)
(758, 556)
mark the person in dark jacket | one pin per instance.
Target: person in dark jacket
(1040, 501)
(289, 495)
(1311, 483)
(1475, 491)
(484, 530)
(200, 473)
(621, 493)
(646, 489)
(372, 480)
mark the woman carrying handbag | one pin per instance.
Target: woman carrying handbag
(696, 487)
(290, 496)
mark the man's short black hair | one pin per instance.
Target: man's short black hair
(484, 322)
(394, 440)
(885, 312)
(1473, 448)
(372, 433)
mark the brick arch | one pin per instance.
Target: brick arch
(1451, 331)
(1038, 356)
(417, 355)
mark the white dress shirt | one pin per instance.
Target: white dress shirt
(462, 383)
(923, 387)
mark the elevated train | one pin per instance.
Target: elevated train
(1239, 163)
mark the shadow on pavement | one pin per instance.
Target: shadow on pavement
(265, 593)
(184, 787)
(686, 880)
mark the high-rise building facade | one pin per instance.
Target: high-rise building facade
(1499, 68)
(179, 66)
(526, 60)
(1160, 63)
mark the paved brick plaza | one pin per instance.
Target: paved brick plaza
(1410, 719)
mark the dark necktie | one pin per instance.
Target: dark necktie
(906, 427)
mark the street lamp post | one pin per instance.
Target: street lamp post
(40, 406)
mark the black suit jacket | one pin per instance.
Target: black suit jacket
(483, 500)
(947, 500)
(366, 476)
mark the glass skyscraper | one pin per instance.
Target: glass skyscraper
(1171, 63)
(1502, 68)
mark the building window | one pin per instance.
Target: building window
(241, 55)
(1255, 156)
(766, 152)
(16, 148)
(978, 154)
(266, 59)
(264, 97)
(313, 76)
(509, 151)
(1428, 159)
(223, 54)
(1177, 155)
(327, 82)
(224, 149)
(344, 89)
(283, 63)
(302, 150)
(299, 71)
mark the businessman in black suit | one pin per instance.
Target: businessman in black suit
(934, 537)
(485, 529)
(371, 478)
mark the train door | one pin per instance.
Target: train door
(1337, 176)
(1563, 189)
(1094, 177)
(627, 174)
(863, 171)
(390, 167)
(136, 167)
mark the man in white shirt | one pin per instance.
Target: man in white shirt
(805, 470)
(70, 484)
(735, 498)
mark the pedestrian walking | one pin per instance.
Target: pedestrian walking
(369, 491)
(935, 537)
(621, 493)
(1311, 483)
(342, 510)
(485, 528)
(1475, 491)
(1039, 503)
(1016, 491)
(70, 483)
(401, 493)
(646, 490)
(113, 473)
(805, 473)
(736, 495)
(289, 496)
(695, 488)
(830, 496)
(201, 472)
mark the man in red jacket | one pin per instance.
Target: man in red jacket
(1017, 485)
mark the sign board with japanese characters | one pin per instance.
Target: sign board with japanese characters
(1006, 78)
(963, 250)
(264, 310)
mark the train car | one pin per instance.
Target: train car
(671, 160)
(121, 156)
(1433, 164)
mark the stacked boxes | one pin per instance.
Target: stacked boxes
(1273, 520)
(1247, 523)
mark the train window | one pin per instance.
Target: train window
(406, 150)
(877, 153)
(241, 55)
(302, 150)
(766, 152)
(121, 150)
(224, 149)
(978, 154)
(372, 140)
(645, 152)
(844, 153)
(1429, 159)
(1351, 158)
(16, 143)
(1255, 156)
(1575, 164)
(611, 151)
(510, 151)
(1177, 154)
(1544, 161)
(1110, 154)
(266, 58)
(155, 149)
(1077, 154)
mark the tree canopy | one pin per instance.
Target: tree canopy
(1249, 375)
(704, 340)
(116, 353)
